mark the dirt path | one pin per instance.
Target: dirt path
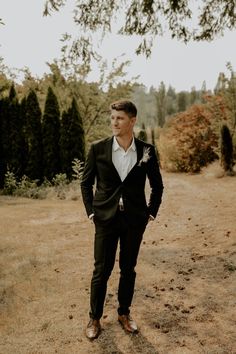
(186, 276)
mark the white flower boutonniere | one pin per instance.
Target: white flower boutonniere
(146, 156)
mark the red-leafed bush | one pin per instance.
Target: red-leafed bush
(189, 140)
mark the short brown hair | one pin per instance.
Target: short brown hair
(126, 106)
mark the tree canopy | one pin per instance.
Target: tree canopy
(184, 19)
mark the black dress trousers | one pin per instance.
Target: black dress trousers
(107, 236)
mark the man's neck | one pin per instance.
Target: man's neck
(125, 142)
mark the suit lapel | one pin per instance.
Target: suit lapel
(139, 146)
(109, 157)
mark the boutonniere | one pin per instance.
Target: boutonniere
(146, 156)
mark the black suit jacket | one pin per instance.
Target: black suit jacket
(103, 202)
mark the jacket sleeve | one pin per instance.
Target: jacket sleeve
(156, 184)
(88, 180)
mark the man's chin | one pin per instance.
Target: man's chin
(116, 133)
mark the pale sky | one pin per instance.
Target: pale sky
(30, 40)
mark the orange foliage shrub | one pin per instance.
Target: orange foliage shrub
(188, 141)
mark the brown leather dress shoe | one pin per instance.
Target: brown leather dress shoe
(93, 329)
(128, 324)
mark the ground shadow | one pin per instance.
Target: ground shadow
(142, 345)
(138, 341)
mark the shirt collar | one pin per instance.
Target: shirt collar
(116, 146)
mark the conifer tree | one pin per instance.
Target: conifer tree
(192, 96)
(72, 141)
(16, 143)
(22, 114)
(226, 150)
(161, 104)
(51, 136)
(3, 140)
(12, 92)
(33, 132)
(5, 133)
(182, 101)
(153, 140)
(142, 135)
(12, 140)
(64, 143)
(153, 136)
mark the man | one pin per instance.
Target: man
(118, 208)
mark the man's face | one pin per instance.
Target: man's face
(121, 124)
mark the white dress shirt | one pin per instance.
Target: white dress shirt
(123, 160)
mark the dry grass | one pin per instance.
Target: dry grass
(186, 279)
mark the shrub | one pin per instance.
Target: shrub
(188, 142)
(28, 188)
(77, 167)
(22, 188)
(60, 187)
(10, 183)
(59, 182)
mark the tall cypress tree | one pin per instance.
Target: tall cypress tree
(3, 139)
(1, 147)
(153, 136)
(72, 141)
(16, 143)
(33, 132)
(182, 101)
(142, 135)
(51, 136)
(22, 113)
(65, 144)
(226, 150)
(161, 104)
